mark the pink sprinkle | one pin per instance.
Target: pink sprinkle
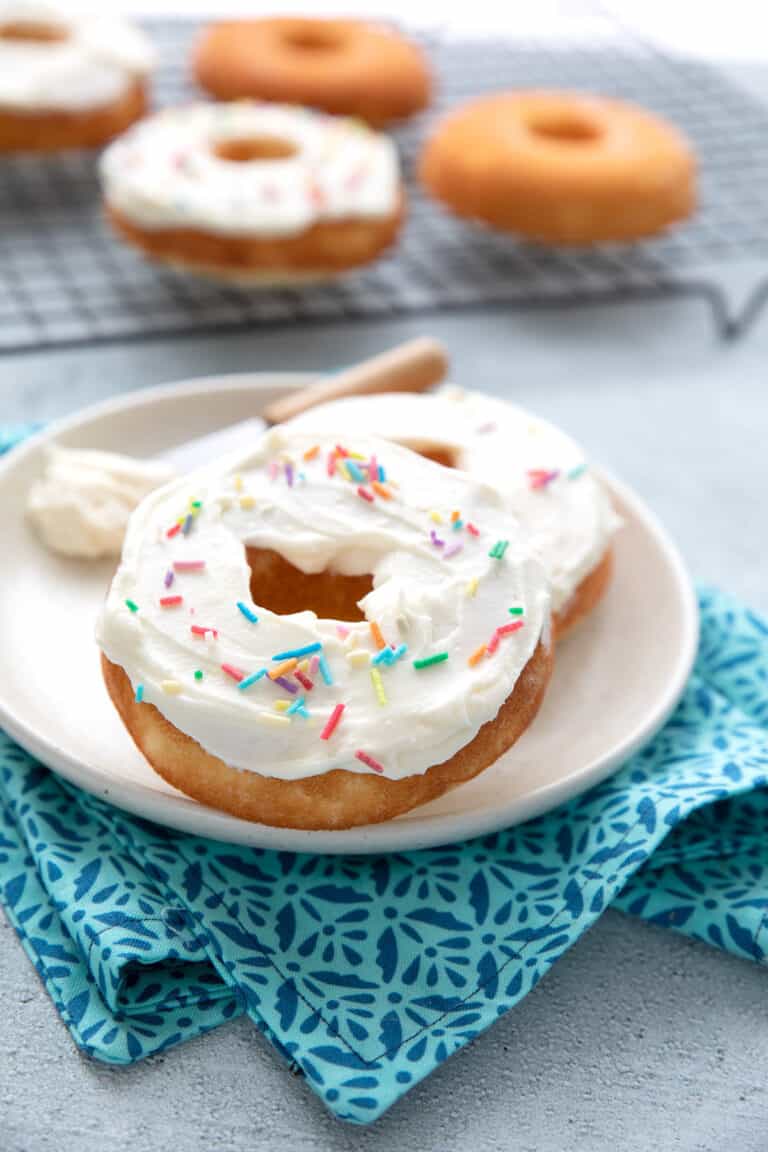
(314, 664)
(168, 578)
(365, 494)
(493, 643)
(540, 478)
(170, 601)
(452, 551)
(273, 469)
(304, 681)
(188, 565)
(342, 630)
(332, 722)
(508, 629)
(331, 468)
(197, 630)
(373, 469)
(235, 673)
(472, 530)
(369, 761)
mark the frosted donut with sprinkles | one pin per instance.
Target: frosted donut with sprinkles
(254, 192)
(325, 634)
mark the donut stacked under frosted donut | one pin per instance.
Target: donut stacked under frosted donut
(425, 657)
(68, 81)
(562, 508)
(254, 190)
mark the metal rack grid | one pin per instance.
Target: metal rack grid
(64, 279)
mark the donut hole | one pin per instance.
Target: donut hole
(439, 453)
(564, 128)
(279, 586)
(313, 38)
(33, 32)
(247, 149)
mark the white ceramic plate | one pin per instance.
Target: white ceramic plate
(616, 681)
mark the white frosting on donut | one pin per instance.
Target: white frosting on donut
(92, 66)
(164, 172)
(82, 503)
(428, 598)
(567, 517)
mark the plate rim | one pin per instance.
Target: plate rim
(181, 812)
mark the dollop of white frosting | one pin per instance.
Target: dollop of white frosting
(82, 503)
(165, 173)
(93, 65)
(428, 598)
(568, 518)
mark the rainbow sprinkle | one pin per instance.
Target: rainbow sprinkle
(139, 693)
(435, 517)
(359, 658)
(173, 530)
(508, 629)
(498, 550)
(235, 673)
(131, 605)
(369, 761)
(541, 477)
(378, 686)
(248, 680)
(355, 472)
(428, 661)
(188, 565)
(297, 653)
(373, 470)
(247, 502)
(332, 722)
(281, 705)
(342, 631)
(246, 611)
(171, 601)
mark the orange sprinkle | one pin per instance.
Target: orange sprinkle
(455, 516)
(283, 669)
(378, 639)
(477, 655)
(381, 490)
(312, 452)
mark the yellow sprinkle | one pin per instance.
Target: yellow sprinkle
(435, 517)
(357, 456)
(247, 502)
(477, 655)
(281, 705)
(272, 718)
(359, 658)
(172, 687)
(472, 586)
(378, 685)
(344, 470)
(283, 669)
(238, 483)
(302, 665)
(351, 641)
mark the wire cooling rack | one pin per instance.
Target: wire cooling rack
(65, 280)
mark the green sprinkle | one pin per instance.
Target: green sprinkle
(428, 661)
(132, 605)
(498, 550)
(516, 611)
(196, 503)
(198, 675)
(579, 470)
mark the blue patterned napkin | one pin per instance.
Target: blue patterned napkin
(365, 973)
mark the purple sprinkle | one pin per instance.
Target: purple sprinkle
(187, 525)
(168, 578)
(286, 684)
(438, 543)
(289, 474)
(452, 551)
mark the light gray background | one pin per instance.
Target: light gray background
(638, 1039)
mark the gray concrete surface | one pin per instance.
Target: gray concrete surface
(638, 1039)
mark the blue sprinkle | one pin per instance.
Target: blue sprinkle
(139, 693)
(382, 474)
(458, 525)
(307, 650)
(246, 683)
(355, 471)
(297, 706)
(579, 470)
(247, 612)
(325, 671)
(187, 525)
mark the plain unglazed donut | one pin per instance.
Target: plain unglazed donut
(254, 191)
(561, 168)
(342, 66)
(562, 507)
(289, 637)
(68, 81)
